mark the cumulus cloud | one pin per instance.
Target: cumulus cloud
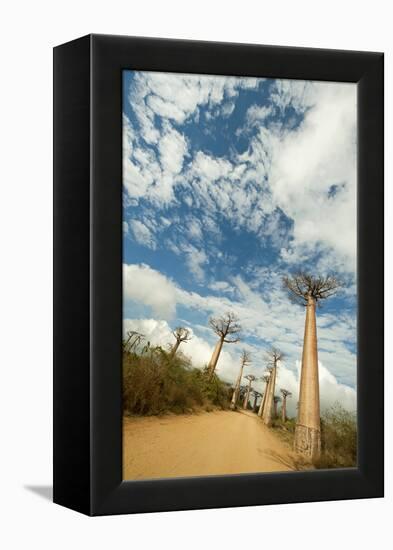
(149, 287)
(313, 176)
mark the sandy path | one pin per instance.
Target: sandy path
(222, 442)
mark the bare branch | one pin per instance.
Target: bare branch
(182, 334)
(272, 357)
(301, 286)
(285, 393)
(226, 327)
(245, 358)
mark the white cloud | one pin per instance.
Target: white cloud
(142, 234)
(195, 259)
(227, 109)
(298, 94)
(210, 168)
(177, 97)
(309, 172)
(311, 162)
(221, 286)
(258, 113)
(173, 148)
(194, 229)
(147, 286)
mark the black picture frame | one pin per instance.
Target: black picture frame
(88, 274)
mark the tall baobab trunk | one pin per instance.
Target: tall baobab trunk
(254, 408)
(175, 348)
(267, 414)
(216, 354)
(275, 403)
(263, 400)
(308, 424)
(227, 329)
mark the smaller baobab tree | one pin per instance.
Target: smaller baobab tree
(256, 395)
(227, 329)
(250, 378)
(285, 393)
(265, 379)
(181, 334)
(273, 357)
(309, 291)
(242, 393)
(244, 361)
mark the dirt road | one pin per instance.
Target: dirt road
(216, 443)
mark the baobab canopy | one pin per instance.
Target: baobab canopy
(227, 327)
(302, 286)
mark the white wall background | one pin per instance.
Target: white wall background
(28, 30)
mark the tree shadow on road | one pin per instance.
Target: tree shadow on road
(294, 462)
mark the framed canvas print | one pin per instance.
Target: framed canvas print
(218, 275)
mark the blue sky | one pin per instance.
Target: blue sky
(229, 184)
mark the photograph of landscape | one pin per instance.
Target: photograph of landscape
(239, 275)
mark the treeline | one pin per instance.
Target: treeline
(156, 381)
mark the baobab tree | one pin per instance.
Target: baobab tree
(273, 357)
(285, 393)
(181, 334)
(250, 378)
(276, 401)
(244, 360)
(242, 393)
(256, 395)
(309, 291)
(265, 379)
(227, 329)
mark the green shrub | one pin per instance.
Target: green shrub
(154, 382)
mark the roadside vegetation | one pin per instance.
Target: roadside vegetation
(156, 381)
(338, 437)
